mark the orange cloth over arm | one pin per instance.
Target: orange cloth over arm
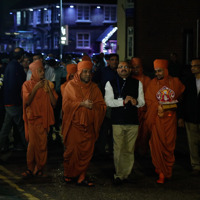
(62, 87)
(40, 110)
(163, 129)
(80, 127)
(38, 116)
(71, 104)
(143, 132)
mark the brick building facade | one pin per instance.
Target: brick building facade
(162, 27)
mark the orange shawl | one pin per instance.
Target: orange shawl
(74, 93)
(40, 110)
(163, 137)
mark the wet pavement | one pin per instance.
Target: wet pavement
(141, 185)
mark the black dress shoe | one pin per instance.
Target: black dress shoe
(117, 181)
(195, 172)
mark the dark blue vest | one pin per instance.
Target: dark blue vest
(127, 114)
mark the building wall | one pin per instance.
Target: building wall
(121, 33)
(161, 27)
(45, 28)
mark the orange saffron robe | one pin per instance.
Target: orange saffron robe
(163, 129)
(80, 127)
(143, 132)
(38, 117)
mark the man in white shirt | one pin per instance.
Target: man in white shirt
(124, 95)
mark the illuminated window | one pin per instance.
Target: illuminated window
(38, 43)
(18, 18)
(130, 42)
(83, 40)
(110, 14)
(45, 41)
(30, 17)
(24, 18)
(83, 13)
(56, 41)
(56, 15)
(47, 16)
(39, 17)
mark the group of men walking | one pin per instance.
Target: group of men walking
(139, 110)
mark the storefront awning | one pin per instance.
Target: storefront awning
(105, 33)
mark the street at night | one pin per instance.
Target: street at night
(141, 185)
(122, 73)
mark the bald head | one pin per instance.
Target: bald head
(18, 54)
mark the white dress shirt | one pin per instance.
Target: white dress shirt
(112, 102)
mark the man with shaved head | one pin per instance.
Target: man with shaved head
(83, 113)
(161, 99)
(39, 98)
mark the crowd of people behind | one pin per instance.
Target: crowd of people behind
(98, 106)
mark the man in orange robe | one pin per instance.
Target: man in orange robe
(39, 98)
(71, 70)
(143, 132)
(86, 58)
(83, 113)
(161, 96)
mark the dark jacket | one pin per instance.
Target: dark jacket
(102, 76)
(2, 69)
(14, 77)
(127, 114)
(191, 101)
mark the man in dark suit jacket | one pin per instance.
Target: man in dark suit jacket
(14, 77)
(191, 114)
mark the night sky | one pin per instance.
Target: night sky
(6, 19)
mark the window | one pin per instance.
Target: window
(30, 17)
(47, 16)
(110, 14)
(83, 41)
(45, 41)
(56, 16)
(24, 18)
(18, 18)
(83, 13)
(38, 43)
(39, 16)
(130, 42)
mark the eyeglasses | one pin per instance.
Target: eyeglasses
(121, 67)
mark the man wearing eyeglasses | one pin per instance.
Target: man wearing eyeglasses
(191, 114)
(124, 95)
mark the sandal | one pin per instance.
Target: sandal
(27, 174)
(86, 183)
(67, 179)
(40, 173)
